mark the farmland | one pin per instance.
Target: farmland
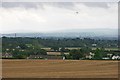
(69, 48)
(59, 69)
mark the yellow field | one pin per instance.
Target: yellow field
(59, 69)
(54, 53)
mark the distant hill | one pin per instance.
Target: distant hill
(90, 33)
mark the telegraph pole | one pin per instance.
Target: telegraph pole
(15, 35)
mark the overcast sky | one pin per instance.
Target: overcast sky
(53, 16)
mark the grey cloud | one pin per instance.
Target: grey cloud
(20, 4)
(36, 4)
(57, 19)
(67, 5)
(97, 4)
(0, 4)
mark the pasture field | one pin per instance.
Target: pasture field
(59, 69)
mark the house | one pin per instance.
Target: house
(7, 49)
(90, 55)
(115, 57)
(94, 45)
(47, 57)
(105, 58)
(7, 55)
(18, 47)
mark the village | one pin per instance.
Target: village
(65, 53)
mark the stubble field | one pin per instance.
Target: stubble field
(59, 69)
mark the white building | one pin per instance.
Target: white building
(116, 57)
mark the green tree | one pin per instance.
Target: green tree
(20, 54)
(98, 54)
(39, 52)
(76, 54)
(23, 46)
(63, 49)
(55, 48)
(85, 51)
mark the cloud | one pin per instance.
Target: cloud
(99, 5)
(46, 17)
(68, 5)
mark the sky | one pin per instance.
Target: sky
(20, 17)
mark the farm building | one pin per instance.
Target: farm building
(46, 57)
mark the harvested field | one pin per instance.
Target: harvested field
(59, 69)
